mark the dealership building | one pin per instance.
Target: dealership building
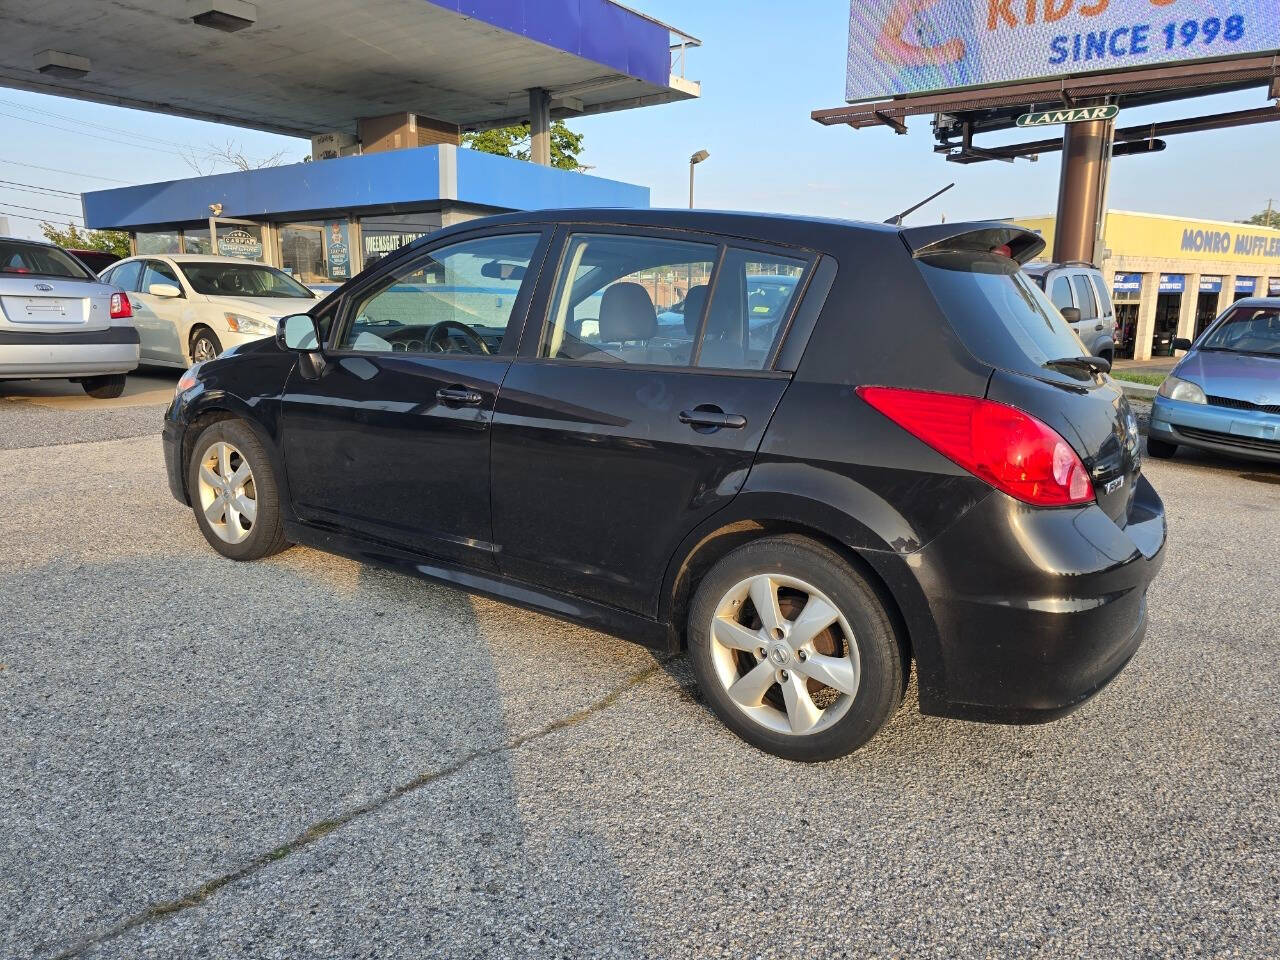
(1170, 276)
(385, 90)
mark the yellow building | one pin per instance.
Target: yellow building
(1171, 276)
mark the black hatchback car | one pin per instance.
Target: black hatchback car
(909, 459)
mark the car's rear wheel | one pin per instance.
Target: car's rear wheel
(1161, 449)
(106, 387)
(794, 650)
(234, 492)
(205, 345)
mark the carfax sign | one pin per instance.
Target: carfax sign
(910, 47)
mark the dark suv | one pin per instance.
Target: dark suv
(916, 462)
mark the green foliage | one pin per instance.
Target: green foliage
(566, 146)
(110, 241)
(1264, 218)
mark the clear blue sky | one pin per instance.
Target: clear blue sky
(763, 68)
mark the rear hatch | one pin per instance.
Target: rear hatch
(43, 290)
(1006, 322)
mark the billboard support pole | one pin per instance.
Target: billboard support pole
(1086, 152)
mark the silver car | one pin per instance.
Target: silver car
(57, 320)
(1080, 294)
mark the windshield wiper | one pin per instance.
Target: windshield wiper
(1092, 364)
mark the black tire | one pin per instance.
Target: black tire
(1161, 449)
(106, 387)
(266, 532)
(210, 341)
(883, 664)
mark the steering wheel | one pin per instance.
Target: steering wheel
(433, 344)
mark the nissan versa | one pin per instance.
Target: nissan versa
(918, 461)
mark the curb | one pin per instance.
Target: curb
(1136, 391)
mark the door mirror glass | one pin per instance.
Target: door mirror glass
(1070, 314)
(1181, 343)
(164, 290)
(298, 332)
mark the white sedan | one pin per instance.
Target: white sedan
(189, 308)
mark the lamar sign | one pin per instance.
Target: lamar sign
(1049, 118)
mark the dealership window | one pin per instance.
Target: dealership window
(159, 241)
(196, 241)
(316, 252)
(387, 234)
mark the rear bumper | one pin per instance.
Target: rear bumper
(1032, 611)
(1238, 433)
(26, 354)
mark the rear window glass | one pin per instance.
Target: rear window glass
(1000, 313)
(34, 259)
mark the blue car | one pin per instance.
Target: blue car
(1224, 395)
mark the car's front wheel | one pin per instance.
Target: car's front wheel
(205, 345)
(794, 650)
(234, 492)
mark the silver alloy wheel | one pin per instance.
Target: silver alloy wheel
(203, 350)
(811, 653)
(228, 495)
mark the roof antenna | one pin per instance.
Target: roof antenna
(897, 221)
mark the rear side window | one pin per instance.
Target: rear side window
(999, 312)
(1084, 297)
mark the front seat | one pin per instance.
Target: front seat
(627, 316)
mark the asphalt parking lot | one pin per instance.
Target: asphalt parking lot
(307, 757)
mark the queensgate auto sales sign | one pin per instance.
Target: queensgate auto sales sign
(911, 47)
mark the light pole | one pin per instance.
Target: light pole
(696, 159)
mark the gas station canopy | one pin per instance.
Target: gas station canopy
(301, 67)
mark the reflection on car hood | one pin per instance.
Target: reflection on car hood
(1240, 376)
(266, 306)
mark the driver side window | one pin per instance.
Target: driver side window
(457, 299)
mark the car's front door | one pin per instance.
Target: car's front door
(160, 319)
(391, 439)
(615, 436)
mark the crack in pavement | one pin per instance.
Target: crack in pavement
(322, 828)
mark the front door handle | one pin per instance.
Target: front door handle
(459, 396)
(1098, 328)
(708, 418)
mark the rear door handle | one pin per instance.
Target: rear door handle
(712, 419)
(1098, 328)
(459, 396)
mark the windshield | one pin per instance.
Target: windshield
(34, 259)
(766, 296)
(1000, 313)
(215, 279)
(1247, 330)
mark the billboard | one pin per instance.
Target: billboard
(911, 47)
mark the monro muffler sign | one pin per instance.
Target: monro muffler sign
(1049, 118)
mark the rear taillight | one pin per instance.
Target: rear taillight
(1009, 449)
(121, 308)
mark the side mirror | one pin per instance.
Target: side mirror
(164, 290)
(1070, 314)
(1181, 343)
(298, 332)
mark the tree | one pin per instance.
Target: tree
(1265, 218)
(514, 142)
(110, 241)
(230, 154)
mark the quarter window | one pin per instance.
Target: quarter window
(1104, 298)
(457, 299)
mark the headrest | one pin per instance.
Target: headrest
(627, 313)
(694, 302)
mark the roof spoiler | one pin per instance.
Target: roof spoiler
(973, 238)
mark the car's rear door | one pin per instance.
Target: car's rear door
(391, 440)
(614, 436)
(160, 320)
